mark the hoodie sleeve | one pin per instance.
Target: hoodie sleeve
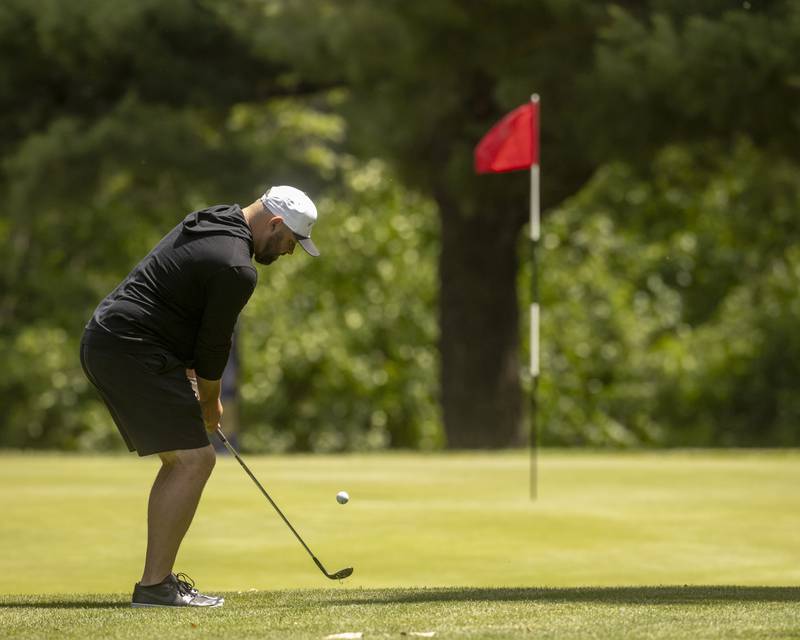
(226, 294)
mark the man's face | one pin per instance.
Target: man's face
(274, 240)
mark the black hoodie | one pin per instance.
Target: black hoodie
(186, 294)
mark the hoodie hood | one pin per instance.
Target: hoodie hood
(219, 220)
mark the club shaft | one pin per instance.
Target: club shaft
(266, 495)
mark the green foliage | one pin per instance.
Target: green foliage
(712, 70)
(670, 306)
(355, 340)
(669, 270)
(45, 394)
(427, 79)
(339, 351)
(119, 122)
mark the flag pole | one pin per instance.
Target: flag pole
(535, 230)
(503, 148)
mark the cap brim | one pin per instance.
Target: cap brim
(308, 245)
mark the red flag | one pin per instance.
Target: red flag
(511, 144)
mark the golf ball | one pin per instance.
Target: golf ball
(342, 497)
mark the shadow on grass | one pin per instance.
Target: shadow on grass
(653, 596)
(647, 596)
(55, 602)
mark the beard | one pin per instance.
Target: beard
(266, 258)
(269, 253)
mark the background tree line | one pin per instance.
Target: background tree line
(670, 177)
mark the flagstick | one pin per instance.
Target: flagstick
(534, 348)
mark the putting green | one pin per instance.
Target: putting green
(76, 524)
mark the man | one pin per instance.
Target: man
(156, 347)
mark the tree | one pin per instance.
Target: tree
(117, 121)
(671, 303)
(113, 118)
(617, 80)
(425, 81)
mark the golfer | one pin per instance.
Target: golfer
(155, 349)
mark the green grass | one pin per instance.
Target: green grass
(645, 612)
(447, 543)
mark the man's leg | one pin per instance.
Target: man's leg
(173, 501)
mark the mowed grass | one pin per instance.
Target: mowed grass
(677, 544)
(641, 612)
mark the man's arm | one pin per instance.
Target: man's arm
(226, 293)
(210, 404)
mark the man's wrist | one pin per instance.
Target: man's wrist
(209, 391)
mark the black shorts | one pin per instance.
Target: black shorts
(147, 393)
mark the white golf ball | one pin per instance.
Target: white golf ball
(342, 497)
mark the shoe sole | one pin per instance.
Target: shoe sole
(138, 605)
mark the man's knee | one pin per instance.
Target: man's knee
(200, 460)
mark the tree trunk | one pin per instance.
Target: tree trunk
(482, 400)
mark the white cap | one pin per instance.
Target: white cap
(297, 211)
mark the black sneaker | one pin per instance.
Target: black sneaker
(173, 591)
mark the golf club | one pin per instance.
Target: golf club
(339, 575)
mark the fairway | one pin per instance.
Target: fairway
(444, 541)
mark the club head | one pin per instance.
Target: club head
(341, 575)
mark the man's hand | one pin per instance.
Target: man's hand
(191, 376)
(208, 395)
(212, 414)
